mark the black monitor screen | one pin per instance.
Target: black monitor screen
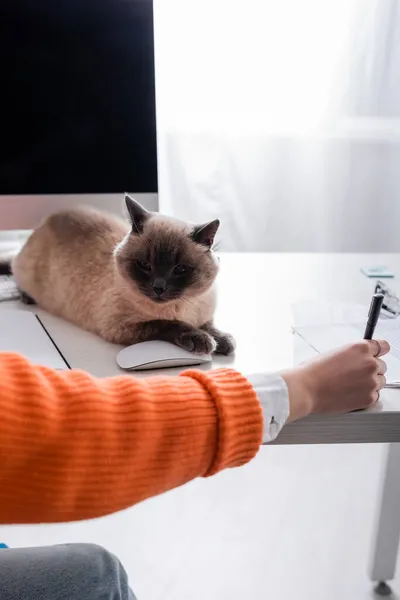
(77, 97)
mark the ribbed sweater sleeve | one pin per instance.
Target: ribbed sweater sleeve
(76, 447)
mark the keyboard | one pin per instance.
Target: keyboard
(8, 288)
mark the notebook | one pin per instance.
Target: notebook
(327, 326)
(23, 332)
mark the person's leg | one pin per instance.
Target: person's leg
(70, 572)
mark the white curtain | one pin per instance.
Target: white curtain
(282, 118)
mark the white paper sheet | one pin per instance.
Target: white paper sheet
(326, 326)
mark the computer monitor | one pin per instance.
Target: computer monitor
(78, 116)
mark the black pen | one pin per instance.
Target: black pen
(373, 315)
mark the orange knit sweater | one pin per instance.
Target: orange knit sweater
(75, 447)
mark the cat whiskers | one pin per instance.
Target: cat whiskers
(136, 303)
(188, 300)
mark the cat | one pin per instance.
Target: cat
(152, 279)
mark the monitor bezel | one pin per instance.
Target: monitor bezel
(27, 211)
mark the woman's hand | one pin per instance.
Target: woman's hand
(348, 379)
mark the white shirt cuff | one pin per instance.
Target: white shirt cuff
(273, 394)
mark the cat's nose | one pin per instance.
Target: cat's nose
(159, 286)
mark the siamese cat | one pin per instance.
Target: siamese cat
(152, 280)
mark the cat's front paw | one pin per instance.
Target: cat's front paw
(197, 341)
(225, 343)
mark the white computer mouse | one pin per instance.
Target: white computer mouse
(158, 355)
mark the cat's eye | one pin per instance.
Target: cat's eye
(144, 265)
(180, 270)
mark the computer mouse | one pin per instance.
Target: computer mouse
(158, 355)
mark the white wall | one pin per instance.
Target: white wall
(334, 191)
(283, 119)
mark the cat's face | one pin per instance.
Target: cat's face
(166, 260)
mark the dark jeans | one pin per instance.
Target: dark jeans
(70, 572)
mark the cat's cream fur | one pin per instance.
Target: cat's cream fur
(73, 266)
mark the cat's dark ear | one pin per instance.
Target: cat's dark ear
(137, 214)
(205, 234)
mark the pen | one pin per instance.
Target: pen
(373, 315)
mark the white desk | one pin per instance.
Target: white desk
(257, 311)
(256, 293)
